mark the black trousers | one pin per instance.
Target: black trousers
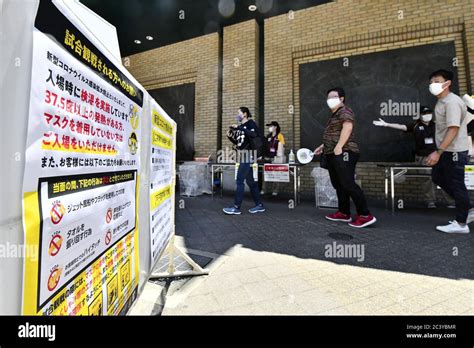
(341, 171)
(448, 174)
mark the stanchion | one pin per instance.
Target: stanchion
(174, 252)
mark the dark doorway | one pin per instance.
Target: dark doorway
(178, 102)
(395, 77)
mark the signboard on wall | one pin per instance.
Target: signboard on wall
(162, 180)
(81, 175)
(276, 172)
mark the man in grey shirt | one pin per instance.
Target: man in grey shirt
(452, 155)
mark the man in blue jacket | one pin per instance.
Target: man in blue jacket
(241, 136)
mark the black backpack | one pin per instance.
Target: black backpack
(258, 143)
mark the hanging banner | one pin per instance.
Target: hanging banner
(81, 175)
(162, 180)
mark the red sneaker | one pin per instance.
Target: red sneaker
(338, 216)
(363, 221)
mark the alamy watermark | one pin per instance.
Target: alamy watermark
(28, 330)
(393, 108)
(345, 251)
(10, 250)
(229, 155)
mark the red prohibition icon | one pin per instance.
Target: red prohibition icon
(53, 279)
(108, 216)
(108, 237)
(55, 245)
(57, 212)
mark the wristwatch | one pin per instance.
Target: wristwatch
(440, 151)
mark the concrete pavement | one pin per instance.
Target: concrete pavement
(293, 261)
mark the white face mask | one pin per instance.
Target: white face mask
(436, 88)
(426, 118)
(270, 129)
(333, 102)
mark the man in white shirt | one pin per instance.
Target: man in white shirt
(452, 155)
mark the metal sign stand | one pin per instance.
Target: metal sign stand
(172, 250)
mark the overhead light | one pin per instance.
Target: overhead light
(137, 42)
(264, 6)
(226, 8)
(149, 38)
(252, 8)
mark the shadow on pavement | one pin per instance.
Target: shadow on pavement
(406, 242)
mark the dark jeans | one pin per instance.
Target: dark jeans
(245, 173)
(448, 174)
(341, 171)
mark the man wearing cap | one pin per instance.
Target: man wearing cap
(275, 151)
(423, 129)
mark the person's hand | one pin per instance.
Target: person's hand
(338, 150)
(380, 123)
(234, 126)
(432, 159)
(319, 150)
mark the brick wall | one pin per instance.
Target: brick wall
(334, 30)
(196, 61)
(351, 27)
(240, 73)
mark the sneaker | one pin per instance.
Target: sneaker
(274, 194)
(470, 216)
(431, 205)
(257, 209)
(453, 227)
(262, 192)
(338, 216)
(232, 211)
(363, 221)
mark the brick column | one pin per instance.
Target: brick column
(240, 72)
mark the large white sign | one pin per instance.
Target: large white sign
(80, 182)
(162, 180)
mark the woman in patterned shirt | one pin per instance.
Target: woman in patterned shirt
(341, 154)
